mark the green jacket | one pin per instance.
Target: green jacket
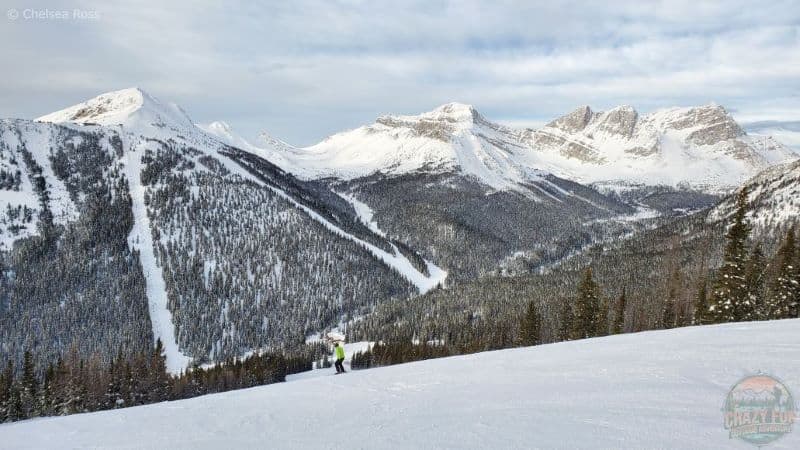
(339, 352)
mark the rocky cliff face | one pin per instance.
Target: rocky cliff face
(701, 147)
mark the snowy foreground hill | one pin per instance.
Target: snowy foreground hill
(662, 389)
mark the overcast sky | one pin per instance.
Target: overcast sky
(302, 70)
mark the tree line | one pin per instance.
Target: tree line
(747, 287)
(76, 385)
(749, 284)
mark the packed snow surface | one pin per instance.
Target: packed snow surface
(662, 389)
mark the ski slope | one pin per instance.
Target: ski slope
(436, 275)
(662, 389)
(141, 239)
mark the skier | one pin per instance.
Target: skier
(339, 357)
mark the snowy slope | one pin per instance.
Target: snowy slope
(141, 239)
(138, 116)
(662, 389)
(452, 137)
(131, 107)
(773, 196)
(395, 259)
(38, 139)
(436, 275)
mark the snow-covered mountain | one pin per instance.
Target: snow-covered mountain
(585, 167)
(185, 238)
(787, 132)
(773, 197)
(218, 246)
(661, 389)
(452, 137)
(135, 109)
(449, 183)
(700, 147)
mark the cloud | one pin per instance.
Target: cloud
(304, 69)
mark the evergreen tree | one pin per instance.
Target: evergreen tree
(588, 312)
(668, 312)
(701, 304)
(729, 298)
(6, 381)
(159, 379)
(603, 327)
(618, 326)
(61, 389)
(755, 275)
(796, 279)
(28, 387)
(567, 321)
(783, 298)
(46, 393)
(14, 410)
(78, 388)
(530, 327)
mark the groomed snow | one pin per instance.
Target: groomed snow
(436, 275)
(141, 239)
(662, 389)
(350, 349)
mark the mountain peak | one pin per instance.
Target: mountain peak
(620, 120)
(454, 108)
(574, 121)
(442, 123)
(105, 109)
(220, 129)
(129, 107)
(707, 124)
(453, 112)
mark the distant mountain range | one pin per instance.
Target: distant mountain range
(788, 132)
(700, 148)
(123, 221)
